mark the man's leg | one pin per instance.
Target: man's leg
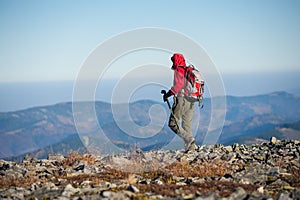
(175, 116)
(177, 109)
(187, 122)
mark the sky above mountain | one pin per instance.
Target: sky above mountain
(49, 40)
(42, 41)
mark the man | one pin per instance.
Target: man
(182, 109)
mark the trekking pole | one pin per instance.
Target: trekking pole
(164, 92)
(200, 104)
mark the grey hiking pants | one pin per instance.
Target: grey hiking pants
(182, 110)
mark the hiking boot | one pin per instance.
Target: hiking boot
(190, 146)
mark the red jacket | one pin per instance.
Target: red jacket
(179, 72)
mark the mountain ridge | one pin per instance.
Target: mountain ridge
(40, 127)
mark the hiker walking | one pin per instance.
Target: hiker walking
(182, 109)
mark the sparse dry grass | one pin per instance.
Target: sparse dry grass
(109, 175)
(74, 156)
(224, 188)
(130, 179)
(200, 169)
(6, 182)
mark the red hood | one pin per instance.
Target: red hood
(178, 60)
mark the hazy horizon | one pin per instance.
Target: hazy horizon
(23, 95)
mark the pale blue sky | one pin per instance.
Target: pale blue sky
(49, 40)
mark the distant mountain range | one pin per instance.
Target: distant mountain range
(39, 131)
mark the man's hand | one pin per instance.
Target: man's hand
(167, 95)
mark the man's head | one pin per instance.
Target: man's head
(178, 60)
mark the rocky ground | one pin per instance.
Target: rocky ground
(262, 171)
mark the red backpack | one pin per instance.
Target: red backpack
(194, 84)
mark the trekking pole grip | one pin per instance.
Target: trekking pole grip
(164, 92)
